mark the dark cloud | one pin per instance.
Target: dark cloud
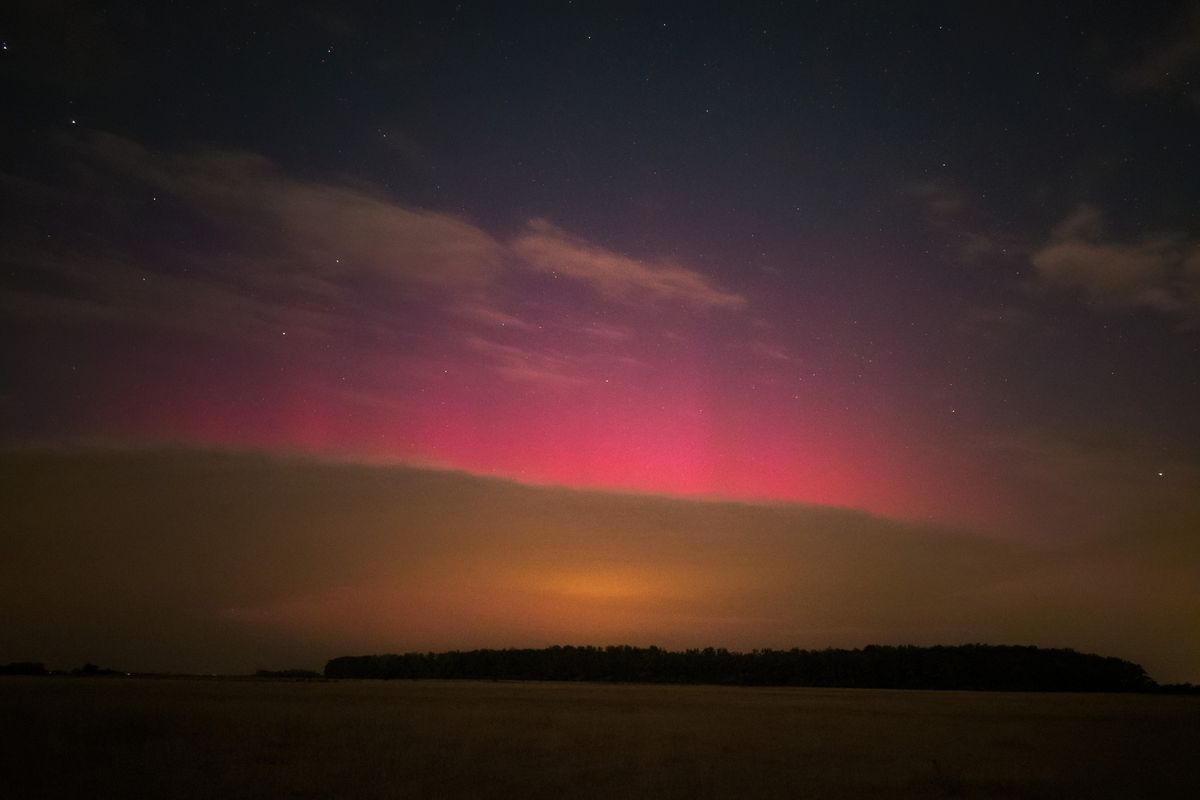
(193, 560)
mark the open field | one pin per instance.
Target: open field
(194, 738)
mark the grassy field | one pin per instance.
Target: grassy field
(200, 738)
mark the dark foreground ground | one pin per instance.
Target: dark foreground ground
(241, 739)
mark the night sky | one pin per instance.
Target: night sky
(936, 262)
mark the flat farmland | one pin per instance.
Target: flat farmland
(202, 738)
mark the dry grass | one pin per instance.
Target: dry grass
(232, 739)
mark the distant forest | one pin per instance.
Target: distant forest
(969, 666)
(972, 666)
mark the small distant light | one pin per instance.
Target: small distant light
(1160, 474)
(285, 333)
(72, 122)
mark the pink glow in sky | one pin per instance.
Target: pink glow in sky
(325, 318)
(676, 422)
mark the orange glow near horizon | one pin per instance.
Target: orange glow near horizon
(300, 556)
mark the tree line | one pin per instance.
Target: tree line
(971, 666)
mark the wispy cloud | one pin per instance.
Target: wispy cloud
(526, 364)
(340, 230)
(942, 202)
(772, 352)
(482, 311)
(324, 228)
(1170, 64)
(607, 331)
(66, 286)
(1157, 271)
(955, 214)
(550, 249)
(284, 253)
